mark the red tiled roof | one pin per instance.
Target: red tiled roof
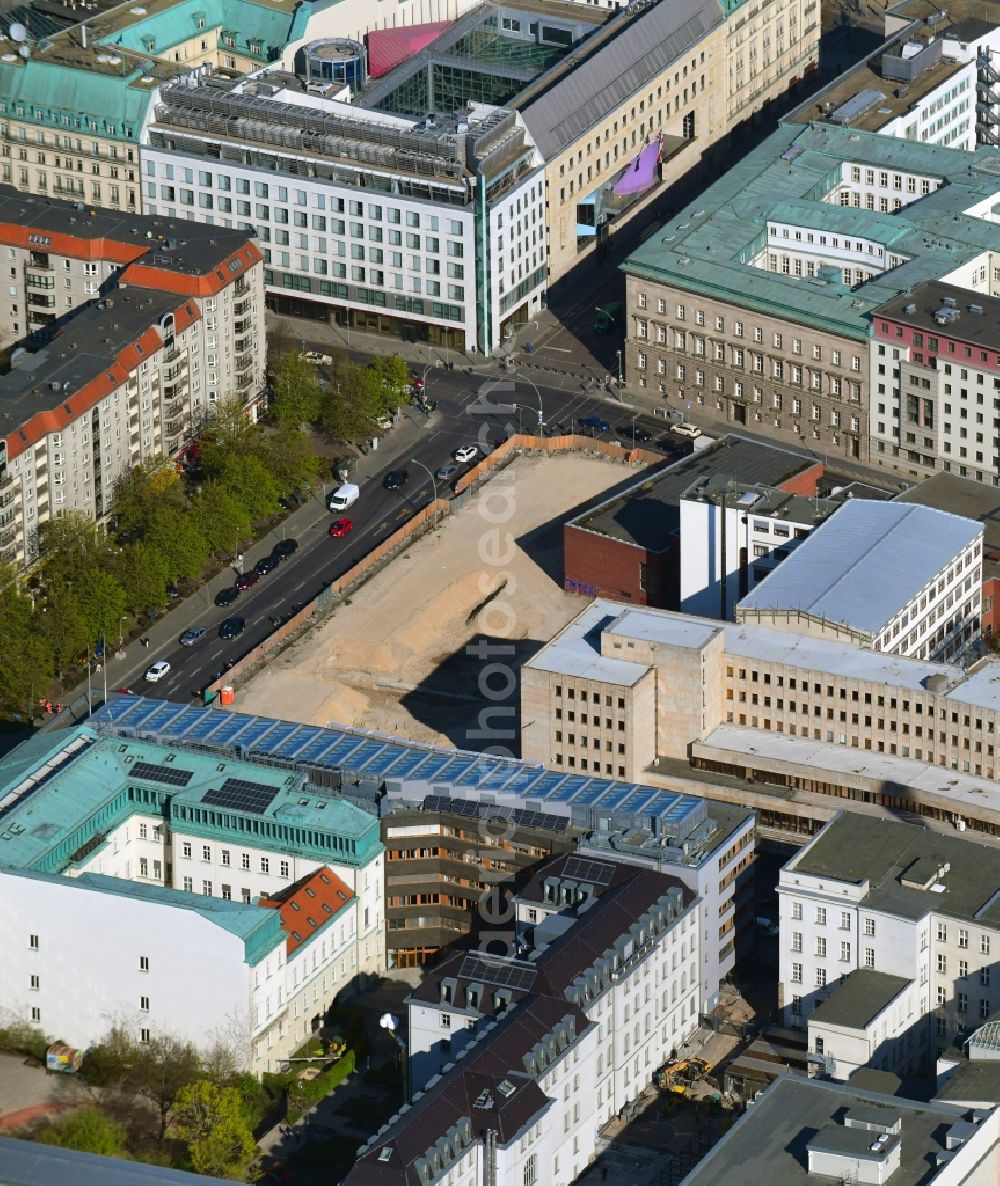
(308, 905)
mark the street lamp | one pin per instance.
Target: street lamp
(121, 636)
(434, 485)
(538, 396)
(390, 1023)
(619, 353)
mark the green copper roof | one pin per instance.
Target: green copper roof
(258, 927)
(57, 810)
(248, 23)
(47, 92)
(706, 248)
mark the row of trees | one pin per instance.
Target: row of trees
(169, 522)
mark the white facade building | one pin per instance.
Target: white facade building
(733, 534)
(129, 861)
(428, 230)
(883, 578)
(916, 907)
(545, 1095)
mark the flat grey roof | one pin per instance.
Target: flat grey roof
(977, 1082)
(860, 849)
(175, 245)
(981, 687)
(576, 650)
(674, 629)
(768, 1144)
(768, 644)
(976, 321)
(864, 564)
(86, 346)
(859, 998)
(972, 500)
(25, 1163)
(648, 513)
(964, 792)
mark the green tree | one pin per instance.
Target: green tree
(296, 393)
(62, 628)
(111, 1063)
(223, 520)
(68, 546)
(211, 1121)
(291, 459)
(140, 490)
(100, 601)
(163, 1068)
(89, 1130)
(394, 372)
(229, 433)
(357, 397)
(26, 671)
(180, 541)
(250, 483)
(142, 573)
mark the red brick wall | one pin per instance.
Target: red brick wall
(991, 606)
(596, 565)
(805, 482)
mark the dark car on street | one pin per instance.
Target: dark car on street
(395, 479)
(631, 432)
(593, 424)
(247, 580)
(227, 596)
(265, 565)
(285, 548)
(232, 628)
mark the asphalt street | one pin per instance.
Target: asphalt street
(469, 409)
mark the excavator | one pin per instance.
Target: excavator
(678, 1076)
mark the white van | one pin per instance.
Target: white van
(345, 497)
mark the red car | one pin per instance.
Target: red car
(248, 579)
(340, 528)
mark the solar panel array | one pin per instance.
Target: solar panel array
(150, 772)
(242, 795)
(592, 872)
(518, 815)
(377, 760)
(517, 976)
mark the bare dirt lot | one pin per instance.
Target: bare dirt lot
(396, 658)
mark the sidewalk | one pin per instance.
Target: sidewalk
(195, 609)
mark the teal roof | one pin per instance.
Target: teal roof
(246, 21)
(49, 91)
(258, 927)
(59, 808)
(706, 248)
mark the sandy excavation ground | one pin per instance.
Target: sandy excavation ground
(395, 660)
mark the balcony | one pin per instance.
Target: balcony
(244, 361)
(173, 409)
(174, 426)
(243, 381)
(41, 281)
(39, 262)
(242, 308)
(241, 287)
(37, 301)
(243, 326)
(173, 373)
(8, 537)
(242, 345)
